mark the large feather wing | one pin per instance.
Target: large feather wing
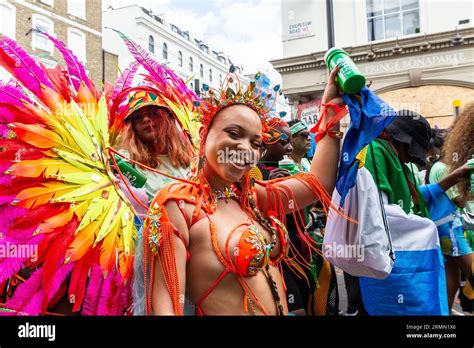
(57, 177)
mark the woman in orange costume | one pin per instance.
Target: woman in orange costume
(218, 239)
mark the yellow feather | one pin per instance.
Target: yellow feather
(82, 178)
(96, 207)
(85, 192)
(102, 122)
(128, 231)
(110, 220)
(79, 161)
(86, 126)
(84, 142)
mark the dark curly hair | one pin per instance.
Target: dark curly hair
(459, 145)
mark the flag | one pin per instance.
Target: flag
(417, 283)
(369, 116)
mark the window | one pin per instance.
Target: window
(76, 41)
(220, 79)
(210, 75)
(201, 70)
(204, 48)
(40, 41)
(191, 67)
(7, 20)
(77, 8)
(180, 58)
(391, 18)
(165, 50)
(151, 44)
(191, 86)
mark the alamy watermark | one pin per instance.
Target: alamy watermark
(240, 157)
(332, 250)
(37, 331)
(25, 251)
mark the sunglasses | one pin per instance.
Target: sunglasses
(152, 113)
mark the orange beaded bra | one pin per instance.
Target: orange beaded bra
(251, 255)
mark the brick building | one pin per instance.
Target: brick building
(78, 23)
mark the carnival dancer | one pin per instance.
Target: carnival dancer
(218, 238)
(59, 196)
(151, 137)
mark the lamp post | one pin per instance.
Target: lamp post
(330, 21)
(456, 107)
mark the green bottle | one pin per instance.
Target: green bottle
(288, 163)
(470, 164)
(349, 77)
(135, 178)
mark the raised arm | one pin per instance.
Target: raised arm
(324, 164)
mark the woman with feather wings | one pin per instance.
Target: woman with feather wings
(58, 191)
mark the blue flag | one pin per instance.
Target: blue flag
(417, 283)
(369, 117)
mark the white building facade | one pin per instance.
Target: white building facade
(417, 52)
(192, 59)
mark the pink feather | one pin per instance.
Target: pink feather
(11, 104)
(5, 180)
(142, 56)
(117, 305)
(22, 66)
(12, 94)
(94, 287)
(126, 300)
(33, 307)
(106, 295)
(7, 199)
(74, 67)
(125, 80)
(8, 214)
(4, 131)
(26, 291)
(10, 266)
(158, 72)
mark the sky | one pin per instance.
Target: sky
(248, 31)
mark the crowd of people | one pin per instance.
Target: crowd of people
(232, 235)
